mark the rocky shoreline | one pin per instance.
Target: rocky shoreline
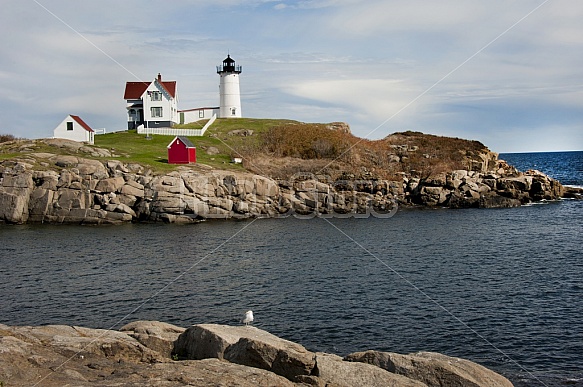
(53, 188)
(151, 353)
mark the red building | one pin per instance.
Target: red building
(181, 151)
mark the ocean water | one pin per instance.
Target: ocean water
(502, 287)
(566, 167)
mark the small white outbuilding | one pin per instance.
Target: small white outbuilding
(74, 128)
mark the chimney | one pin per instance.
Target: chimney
(159, 77)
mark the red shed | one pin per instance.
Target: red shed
(181, 151)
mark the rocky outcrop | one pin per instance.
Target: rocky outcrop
(502, 187)
(84, 191)
(44, 187)
(58, 355)
(573, 193)
(432, 369)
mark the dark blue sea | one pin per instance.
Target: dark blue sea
(566, 167)
(502, 287)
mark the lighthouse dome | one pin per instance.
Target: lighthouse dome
(229, 66)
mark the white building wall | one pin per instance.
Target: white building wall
(168, 105)
(77, 134)
(230, 96)
(176, 131)
(194, 115)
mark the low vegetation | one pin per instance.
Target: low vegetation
(7, 138)
(326, 149)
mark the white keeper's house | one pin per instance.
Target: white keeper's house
(151, 104)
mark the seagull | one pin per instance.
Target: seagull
(248, 317)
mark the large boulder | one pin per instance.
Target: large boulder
(265, 187)
(157, 336)
(93, 168)
(331, 370)
(206, 341)
(245, 345)
(433, 369)
(14, 206)
(78, 341)
(40, 200)
(492, 200)
(133, 188)
(112, 184)
(544, 187)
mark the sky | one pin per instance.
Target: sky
(508, 73)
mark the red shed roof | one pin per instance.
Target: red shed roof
(82, 123)
(185, 140)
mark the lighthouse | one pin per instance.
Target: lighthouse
(230, 104)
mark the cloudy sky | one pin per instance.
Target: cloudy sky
(508, 73)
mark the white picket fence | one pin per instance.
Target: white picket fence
(177, 132)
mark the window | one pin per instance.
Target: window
(69, 126)
(156, 111)
(201, 114)
(156, 96)
(233, 111)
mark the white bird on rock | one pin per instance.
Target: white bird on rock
(248, 317)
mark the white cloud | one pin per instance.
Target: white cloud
(378, 99)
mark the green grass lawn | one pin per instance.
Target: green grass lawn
(133, 147)
(6, 156)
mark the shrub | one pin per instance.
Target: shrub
(7, 137)
(306, 141)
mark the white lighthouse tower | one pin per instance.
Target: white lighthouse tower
(230, 106)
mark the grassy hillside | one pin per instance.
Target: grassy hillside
(137, 148)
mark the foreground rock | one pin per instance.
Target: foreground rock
(58, 355)
(333, 371)
(210, 355)
(432, 369)
(248, 346)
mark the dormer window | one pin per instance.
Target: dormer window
(156, 96)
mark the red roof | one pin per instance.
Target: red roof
(170, 86)
(135, 90)
(82, 123)
(185, 140)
